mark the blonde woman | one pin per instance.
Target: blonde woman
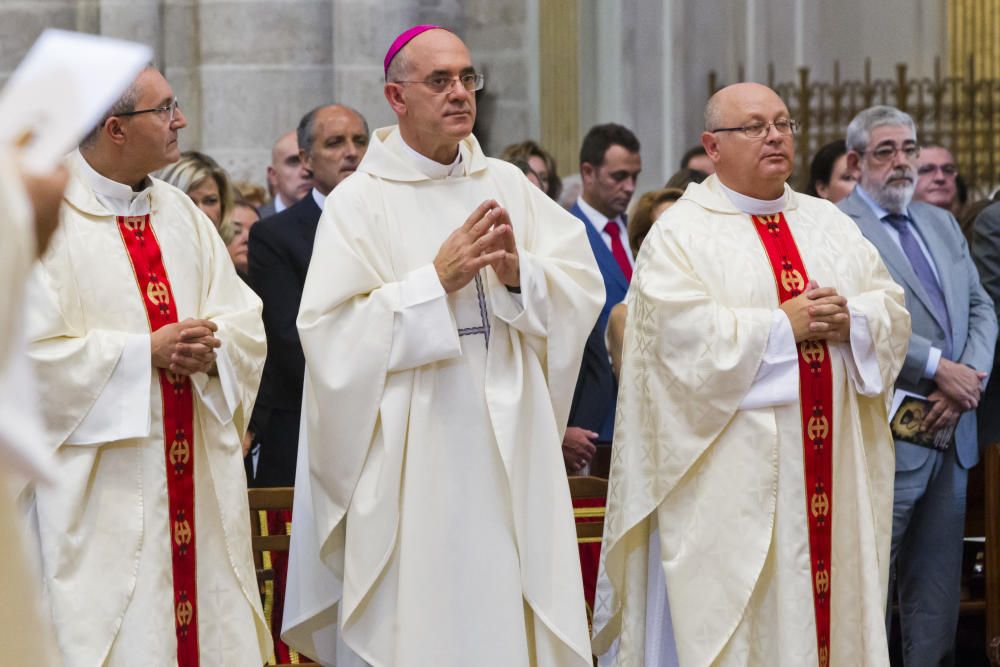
(208, 186)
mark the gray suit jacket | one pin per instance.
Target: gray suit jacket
(973, 322)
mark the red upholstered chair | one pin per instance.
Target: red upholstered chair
(589, 498)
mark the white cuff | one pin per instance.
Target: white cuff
(121, 411)
(526, 311)
(860, 357)
(219, 394)
(423, 328)
(777, 379)
(933, 359)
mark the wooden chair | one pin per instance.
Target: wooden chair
(588, 513)
(589, 496)
(264, 544)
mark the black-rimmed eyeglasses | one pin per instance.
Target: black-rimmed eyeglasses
(889, 152)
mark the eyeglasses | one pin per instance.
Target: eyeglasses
(889, 152)
(169, 109)
(758, 130)
(441, 84)
(946, 169)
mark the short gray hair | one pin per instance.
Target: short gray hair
(305, 133)
(713, 113)
(125, 104)
(860, 129)
(399, 67)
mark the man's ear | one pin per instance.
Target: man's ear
(854, 162)
(394, 96)
(114, 130)
(710, 142)
(587, 172)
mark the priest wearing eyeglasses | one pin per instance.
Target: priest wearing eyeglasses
(750, 501)
(949, 356)
(443, 320)
(148, 349)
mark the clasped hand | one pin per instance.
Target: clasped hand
(187, 347)
(960, 383)
(486, 238)
(819, 313)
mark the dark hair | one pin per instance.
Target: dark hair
(685, 177)
(821, 169)
(642, 220)
(961, 191)
(305, 133)
(691, 153)
(602, 137)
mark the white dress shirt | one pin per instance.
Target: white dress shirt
(598, 220)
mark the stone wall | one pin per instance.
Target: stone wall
(246, 70)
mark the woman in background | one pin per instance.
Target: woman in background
(829, 177)
(647, 211)
(208, 186)
(540, 161)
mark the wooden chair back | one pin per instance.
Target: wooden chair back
(589, 516)
(261, 501)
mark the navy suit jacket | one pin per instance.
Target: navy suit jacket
(596, 389)
(973, 322)
(615, 284)
(280, 248)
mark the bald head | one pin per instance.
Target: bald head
(285, 145)
(728, 103)
(757, 166)
(424, 89)
(287, 179)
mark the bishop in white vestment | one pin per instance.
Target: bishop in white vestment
(432, 521)
(145, 538)
(750, 502)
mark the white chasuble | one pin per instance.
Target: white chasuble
(25, 635)
(720, 486)
(105, 528)
(432, 521)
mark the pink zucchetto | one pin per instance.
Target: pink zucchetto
(404, 39)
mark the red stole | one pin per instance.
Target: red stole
(178, 430)
(816, 400)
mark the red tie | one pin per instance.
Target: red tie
(614, 230)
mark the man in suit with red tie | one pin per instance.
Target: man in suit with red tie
(609, 166)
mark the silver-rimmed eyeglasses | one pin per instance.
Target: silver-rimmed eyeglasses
(170, 110)
(440, 84)
(758, 129)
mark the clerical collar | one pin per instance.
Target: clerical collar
(433, 168)
(319, 198)
(117, 198)
(753, 206)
